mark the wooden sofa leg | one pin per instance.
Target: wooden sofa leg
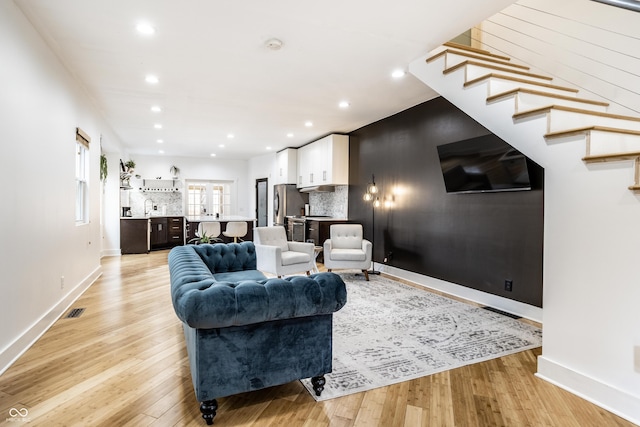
(308, 273)
(366, 275)
(318, 384)
(208, 409)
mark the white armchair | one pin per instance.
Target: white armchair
(274, 254)
(347, 249)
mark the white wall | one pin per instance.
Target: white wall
(591, 338)
(40, 108)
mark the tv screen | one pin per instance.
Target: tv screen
(483, 164)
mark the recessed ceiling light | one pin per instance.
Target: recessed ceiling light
(268, 148)
(221, 145)
(213, 154)
(230, 136)
(289, 135)
(151, 79)
(145, 28)
(157, 126)
(161, 151)
(159, 141)
(308, 124)
(398, 74)
(156, 109)
(343, 104)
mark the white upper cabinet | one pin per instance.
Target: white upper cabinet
(287, 172)
(324, 162)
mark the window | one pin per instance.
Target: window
(82, 177)
(209, 198)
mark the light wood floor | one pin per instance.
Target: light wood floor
(123, 363)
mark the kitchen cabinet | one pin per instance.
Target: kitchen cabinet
(158, 236)
(134, 236)
(287, 161)
(166, 232)
(324, 162)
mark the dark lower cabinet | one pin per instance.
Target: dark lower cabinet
(134, 236)
(158, 236)
(167, 232)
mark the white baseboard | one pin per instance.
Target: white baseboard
(110, 252)
(613, 400)
(510, 306)
(31, 335)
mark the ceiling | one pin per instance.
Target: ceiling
(221, 90)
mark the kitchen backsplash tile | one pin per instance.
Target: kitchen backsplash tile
(170, 201)
(334, 204)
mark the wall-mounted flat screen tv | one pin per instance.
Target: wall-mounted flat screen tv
(483, 164)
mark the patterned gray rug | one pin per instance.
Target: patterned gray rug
(389, 332)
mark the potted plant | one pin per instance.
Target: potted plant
(130, 165)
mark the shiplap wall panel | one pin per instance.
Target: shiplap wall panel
(581, 43)
(595, 79)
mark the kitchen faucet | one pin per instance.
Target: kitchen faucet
(147, 212)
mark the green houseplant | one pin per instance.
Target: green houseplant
(104, 171)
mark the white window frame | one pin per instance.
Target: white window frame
(82, 177)
(213, 197)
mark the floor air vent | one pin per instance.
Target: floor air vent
(504, 313)
(76, 312)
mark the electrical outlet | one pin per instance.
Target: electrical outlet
(61, 282)
(388, 257)
(508, 285)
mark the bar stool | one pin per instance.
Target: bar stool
(236, 229)
(207, 232)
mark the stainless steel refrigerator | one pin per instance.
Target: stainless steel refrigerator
(287, 201)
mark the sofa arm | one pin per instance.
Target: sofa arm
(224, 304)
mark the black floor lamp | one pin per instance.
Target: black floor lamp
(372, 196)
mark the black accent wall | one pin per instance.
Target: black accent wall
(476, 240)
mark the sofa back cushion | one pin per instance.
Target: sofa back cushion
(229, 257)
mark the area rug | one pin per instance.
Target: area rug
(389, 332)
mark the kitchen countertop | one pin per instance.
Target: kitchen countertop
(317, 218)
(222, 218)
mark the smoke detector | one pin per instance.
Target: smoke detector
(273, 44)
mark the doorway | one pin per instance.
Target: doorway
(262, 202)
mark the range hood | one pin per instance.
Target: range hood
(319, 189)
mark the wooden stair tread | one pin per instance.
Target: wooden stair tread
(520, 80)
(548, 108)
(496, 68)
(473, 55)
(476, 50)
(547, 94)
(612, 156)
(585, 129)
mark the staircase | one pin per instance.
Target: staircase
(453, 69)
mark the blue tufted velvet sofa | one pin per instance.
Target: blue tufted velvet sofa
(245, 332)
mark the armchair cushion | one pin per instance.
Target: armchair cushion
(293, 257)
(347, 255)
